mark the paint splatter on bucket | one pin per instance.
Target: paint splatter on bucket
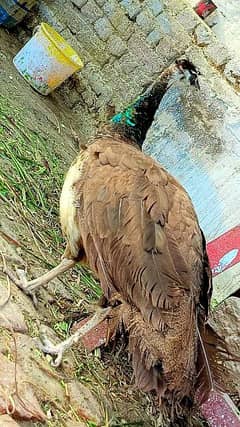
(13, 11)
(47, 60)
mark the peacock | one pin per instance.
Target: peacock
(135, 226)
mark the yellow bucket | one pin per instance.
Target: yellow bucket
(47, 60)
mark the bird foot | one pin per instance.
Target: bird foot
(28, 287)
(21, 282)
(46, 345)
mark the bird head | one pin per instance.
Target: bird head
(188, 71)
(184, 69)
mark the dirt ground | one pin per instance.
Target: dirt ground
(37, 144)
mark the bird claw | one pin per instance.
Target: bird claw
(45, 345)
(21, 282)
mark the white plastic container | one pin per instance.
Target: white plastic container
(47, 60)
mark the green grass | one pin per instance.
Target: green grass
(90, 285)
(62, 328)
(30, 168)
(31, 177)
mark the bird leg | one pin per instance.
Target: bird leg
(45, 345)
(29, 287)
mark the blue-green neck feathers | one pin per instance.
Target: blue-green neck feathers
(127, 116)
(134, 122)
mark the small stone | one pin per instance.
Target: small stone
(84, 402)
(35, 365)
(154, 37)
(167, 50)
(127, 63)
(121, 23)
(94, 77)
(184, 40)
(116, 46)
(112, 71)
(132, 7)
(155, 6)
(189, 20)
(124, 27)
(100, 2)
(202, 36)
(12, 317)
(26, 406)
(91, 11)
(217, 54)
(103, 28)
(145, 21)
(225, 322)
(232, 71)
(144, 54)
(93, 46)
(164, 24)
(79, 3)
(175, 5)
(110, 8)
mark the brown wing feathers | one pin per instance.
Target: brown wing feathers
(131, 218)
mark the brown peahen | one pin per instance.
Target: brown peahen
(135, 226)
